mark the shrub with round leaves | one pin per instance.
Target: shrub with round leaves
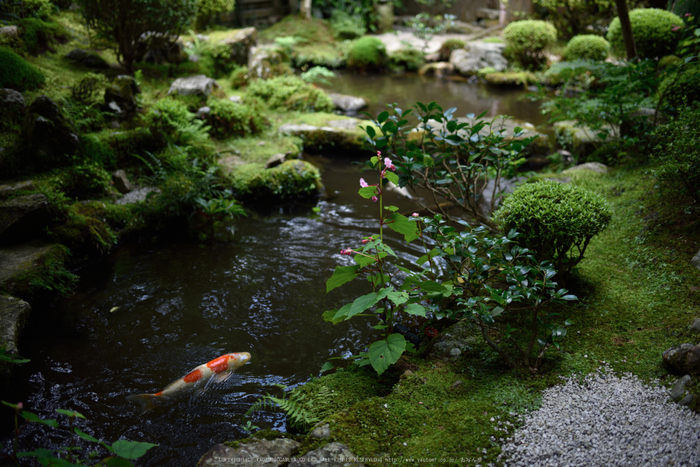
(526, 41)
(556, 221)
(367, 53)
(655, 33)
(587, 47)
(17, 73)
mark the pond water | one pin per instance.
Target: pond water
(181, 304)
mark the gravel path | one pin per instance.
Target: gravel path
(606, 420)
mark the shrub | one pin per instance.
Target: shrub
(233, 119)
(291, 93)
(171, 119)
(38, 8)
(406, 60)
(216, 58)
(83, 181)
(556, 221)
(587, 47)
(653, 31)
(448, 46)
(367, 53)
(526, 41)
(681, 87)
(678, 154)
(239, 77)
(18, 74)
(39, 36)
(346, 26)
(573, 17)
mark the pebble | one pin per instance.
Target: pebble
(605, 420)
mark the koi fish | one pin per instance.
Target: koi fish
(218, 370)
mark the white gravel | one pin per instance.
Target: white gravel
(606, 420)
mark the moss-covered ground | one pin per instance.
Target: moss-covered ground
(638, 294)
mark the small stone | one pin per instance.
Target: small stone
(695, 327)
(696, 260)
(121, 182)
(274, 161)
(323, 431)
(679, 388)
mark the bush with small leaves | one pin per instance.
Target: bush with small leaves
(18, 74)
(526, 41)
(681, 86)
(228, 119)
(367, 54)
(587, 47)
(556, 221)
(678, 155)
(346, 26)
(655, 33)
(291, 93)
(171, 119)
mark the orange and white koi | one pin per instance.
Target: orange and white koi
(218, 370)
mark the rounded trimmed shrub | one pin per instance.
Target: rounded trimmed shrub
(291, 93)
(526, 41)
(17, 73)
(367, 53)
(228, 119)
(653, 33)
(556, 221)
(681, 88)
(587, 47)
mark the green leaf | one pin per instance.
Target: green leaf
(340, 314)
(431, 286)
(364, 260)
(31, 417)
(569, 297)
(398, 298)
(370, 131)
(558, 332)
(392, 177)
(368, 191)
(381, 118)
(415, 309)
(71, 413)
(86, 436)
(497, 311)
(131, 449)
(362, 303)
(425, 258)
(403, 226)
(117, 462)
(341, 275)
(384, 353)
(327, 367)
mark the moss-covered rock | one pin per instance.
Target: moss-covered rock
(33, 270)
(367, 54)
(291, 180)
(18, 74)
(322, 132)
(510, 79)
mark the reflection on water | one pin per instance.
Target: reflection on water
(152, 312)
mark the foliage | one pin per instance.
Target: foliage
(681, 86)
(556, 221)
(450, 157)
(11, 358)
(292, 179)
(425, 26)
(171, 119)
(406, 59)
(367, 54)
(346, 26)
(484, 277)
(689, 42)
(362, 9)
(228, 118)
(293, 403)
(677, 154)
(118, 453)
(39, 36)
(607, 100)
(655, 33)
(239, 77)
(216, 57)
(587, 47)
(527, 41)
(83, 181)
(18, 74)
(131, 25)
(574, 17)
(317, 74)
(448, 46)
(291, 93)
(208, 8)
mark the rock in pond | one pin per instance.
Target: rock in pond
(23, 217)
(347, 103)
(339, 135)
(198, 85)
(478, 55)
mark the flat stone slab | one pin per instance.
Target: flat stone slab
(342, 135)
(19, 259)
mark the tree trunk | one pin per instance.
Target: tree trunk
(305, 9)
(626, 26)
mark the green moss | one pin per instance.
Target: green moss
(290, 93)
(510, 78)
(310, 31)
(18, 74)
(48, 276)
(406, 60)
(292, 179)
(40, 36)
(367, 54)
(228, 119)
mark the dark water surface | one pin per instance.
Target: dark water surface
(179, 305)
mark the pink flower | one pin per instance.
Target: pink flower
(346, 252)
(374, 198)
(389, 165)
(379, 153)
(675, 28)
(415, 214)
(365, 240)
(363, 183)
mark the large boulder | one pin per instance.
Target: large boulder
(264, 62)
(120, 97)
(23, 217)
(338, 135)
(240, 43)
(87, 59)
(161, 48)
(26, 265)
(12, 106)
(197, 85)
(47, 137)
(479, 55)
(13, 316)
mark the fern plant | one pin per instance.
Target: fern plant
(294, 404)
